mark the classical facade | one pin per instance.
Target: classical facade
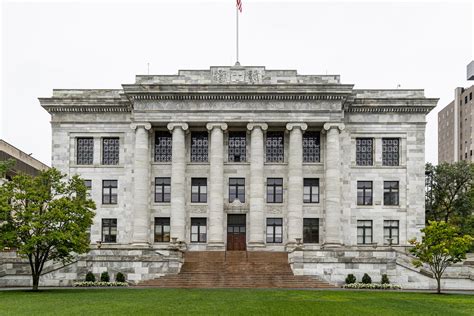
(246, 158)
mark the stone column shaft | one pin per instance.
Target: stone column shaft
(216, 185)
(257, 184)
(295, 181)
(141, 188)
(178, 181)
(333, 236)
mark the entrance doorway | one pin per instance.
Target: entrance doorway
(236, 239)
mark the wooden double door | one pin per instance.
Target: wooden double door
(236, 232)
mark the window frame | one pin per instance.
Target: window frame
(231, 149)
(385, 160)
(313, 225)
(201, 197)
(315, 155)
(163, 152)
(162, 222)
(89, 151)
(387, 225)
(112, 222)
(364, 195)
(200, 223)
(110, 161)
(271, 183)
(160, 182)
(272, 238)
(389, 191)
(280, 157)
(311, 187)
(110, 194)
(361, 224)
(236, 186)
(359, 151)
(195, 147)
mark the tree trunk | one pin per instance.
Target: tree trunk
(438, 281)
(36, 277)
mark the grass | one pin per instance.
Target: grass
(230, 302)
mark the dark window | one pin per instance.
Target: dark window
(109, 230)
(85, 151)
(162, 229)
(390, 151)
(465, 99)
(162, 189)
(163, 146)
(364, 151)
(110, 151)
(198, 229)
(311, 190)
(199, 147)
(237, 189)
(237, 147)
(88, 184)
(311, 147)
(199, 190)
(109, 192)
(364, 232)
(390, 232)
(274, 147)
(364, 192)
(470, 95)
(390, 192)
(274, 230)
(310, 230)
(274, 190)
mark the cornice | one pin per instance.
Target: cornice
(88, 105)
(236, 97)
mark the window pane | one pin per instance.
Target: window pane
(163, 146)
(274, 147)
(199, 146)
(110, 151)
(311, 147)
(85, 151)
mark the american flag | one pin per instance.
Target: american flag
(239, 5)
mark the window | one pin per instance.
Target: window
(274, 147)
(390, 232)
(163, 146)
(198, 229)
(109, 192)
(390, 192)
(364, 232)
(274, 230)
(162, 189)
(85, 151)
(364, 192)
(88, 184)
(311, 147)
(109, 230)
(364, 151)
(274, 190)
(470, 95)
(199, 147)
(310, 230)
(390, 151)
(311, 190)
(199, 190)
(465, 99)
(237, 189)
(110, 151)
(237, 147)
(162, 229)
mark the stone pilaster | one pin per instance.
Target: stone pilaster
(178, 181)
(333, 234)
(295, 181)
(216, 185)
(257, 185)
(141, 188)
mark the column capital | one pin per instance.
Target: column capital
(263, 126)
(222, 126)
(145, 125)
(291, 126)
(172, 126)
(340, 126)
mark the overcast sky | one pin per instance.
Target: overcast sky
(102, 44)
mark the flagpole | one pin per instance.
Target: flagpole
(237, 34)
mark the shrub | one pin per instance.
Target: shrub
(373, 286)
(100, 284)
(350, 279)
(366, 279)
(120, 277)
(104, 277)
(385, 279)
(90, 277)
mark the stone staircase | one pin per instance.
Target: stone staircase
(236, 269)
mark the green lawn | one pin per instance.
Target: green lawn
(230, 301)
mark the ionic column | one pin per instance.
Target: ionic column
(295, 181)
(178, 181)
(333, 236)
(257, 184)
(216, 185)
(141, 188)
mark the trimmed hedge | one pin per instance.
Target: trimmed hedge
(372, 286)
(100, 284)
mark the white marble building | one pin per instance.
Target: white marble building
(249, 158)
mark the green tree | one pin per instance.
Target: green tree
(440, 247)
(45, 218)
(5, 165)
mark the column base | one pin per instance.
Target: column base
(140, 244)
(294, 246)
(327, 245)
(216, 246)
